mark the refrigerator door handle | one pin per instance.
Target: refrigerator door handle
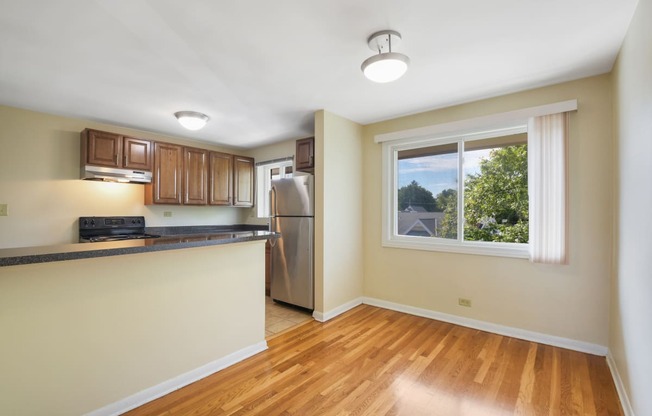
(273, 207)
(272, 212)
(272, 227)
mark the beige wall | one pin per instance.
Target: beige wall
(39, 180)
(338, 212)
(631, 296)
(79, 335)
(568, 301)
(273, 151)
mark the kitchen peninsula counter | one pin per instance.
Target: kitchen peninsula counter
(100, 334)
(172, 238)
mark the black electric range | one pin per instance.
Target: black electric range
(100, 229)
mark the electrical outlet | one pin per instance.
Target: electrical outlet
(3, 210)
(167, 213)
(464, 302)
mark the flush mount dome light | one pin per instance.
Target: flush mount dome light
(191, 120)
(387, 66)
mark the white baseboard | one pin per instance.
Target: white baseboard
(325, 316)
(570, 344)
(177, 382)
(620, 387)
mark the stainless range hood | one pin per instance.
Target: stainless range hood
(98, 173)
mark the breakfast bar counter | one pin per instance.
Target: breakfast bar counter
(172, 238)
(99, 328)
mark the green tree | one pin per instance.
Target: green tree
(496, 199)
(447, 203)
(415, 195)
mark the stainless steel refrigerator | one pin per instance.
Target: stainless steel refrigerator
(292, 215)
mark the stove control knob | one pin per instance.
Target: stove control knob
(92, 223)
(133, 221)
(85, 223)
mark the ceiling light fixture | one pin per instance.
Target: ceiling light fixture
(387, 66)
(191, 120)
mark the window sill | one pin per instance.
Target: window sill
(513, 250)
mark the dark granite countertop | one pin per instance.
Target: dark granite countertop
(172, 238)
(204, 229)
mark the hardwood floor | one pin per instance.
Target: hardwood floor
(372, 361)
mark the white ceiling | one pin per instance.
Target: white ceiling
(260, 68)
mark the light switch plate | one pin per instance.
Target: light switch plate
(3, 210)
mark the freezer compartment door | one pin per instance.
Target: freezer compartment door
(292, 269)
(292, 197)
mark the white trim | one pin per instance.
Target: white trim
(175, 383)
(506, 119)
(555, 341)
(389, 193)
(457, 137)
(620, 387)
(514, 250)
(273, 161)
(389, 228)
(327, 316)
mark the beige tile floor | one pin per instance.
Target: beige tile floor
(279, 317)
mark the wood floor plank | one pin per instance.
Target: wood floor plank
(372, 361)
(555, 383)
(524, 403)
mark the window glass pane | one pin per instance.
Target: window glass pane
(495, 189)
(427, 191)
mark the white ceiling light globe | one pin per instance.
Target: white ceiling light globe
(385, 67)
(191, 120)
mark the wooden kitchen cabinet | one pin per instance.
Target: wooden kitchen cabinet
(167, 182)
(195, 176)
(220, 179)
(101, 148)
(137, 154)
(243, 181)
(305, 155)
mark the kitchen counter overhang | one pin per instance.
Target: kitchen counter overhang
(175, 241)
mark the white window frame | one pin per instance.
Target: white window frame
(391, 238)
(453, 129)
(264, 182)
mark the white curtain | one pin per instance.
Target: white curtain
(547, 187)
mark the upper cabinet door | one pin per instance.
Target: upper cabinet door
(101, 148)
(137, 154)
(104, 149)
(195, 168)
(305, 155)
(243, 180)
(220, 179)
(168, 173)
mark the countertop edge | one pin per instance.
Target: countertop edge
(121, 248)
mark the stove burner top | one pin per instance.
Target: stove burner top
(101, 229)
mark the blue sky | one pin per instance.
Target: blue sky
(438, 172)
